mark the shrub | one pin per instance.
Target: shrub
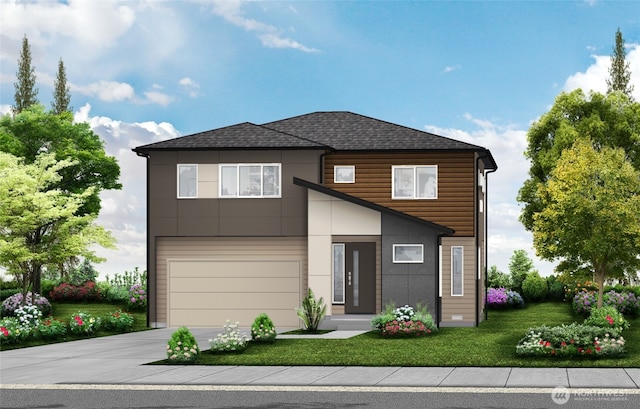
(231, 340)
(137, 297)
(182, 347)
(118, 321)
(571, 290)
(501, 298)
(607, 317)
(83, 273)
(534, 287)
(68, 292)
(10, 331)
(497, 279)
(15, 301)
(404, 321)
(555, 289)
(627, 303)
(263, 329)
(51, 329)
(312, 311)
(28, 317)
(570, 340)
(83, 323)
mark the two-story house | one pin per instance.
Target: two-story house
(243, 219)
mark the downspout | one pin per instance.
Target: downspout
(486, 236)
(150, 283)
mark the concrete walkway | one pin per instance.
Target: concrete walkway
(120, 359)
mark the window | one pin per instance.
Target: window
(415, 182)
(344, 174)
(250, 180)
(456, 270)
(338, 273)
(187, 181)
(408, 253)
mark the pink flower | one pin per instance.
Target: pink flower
(610, 319)
(133, 299)
(4, 331)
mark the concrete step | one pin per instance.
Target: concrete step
(350, 322)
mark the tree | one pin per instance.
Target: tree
(519, 265)
(497, 279)
(591, 204)
(619, 72)
(26, 91)
(39, 225)
(61, 93)
(608, 120)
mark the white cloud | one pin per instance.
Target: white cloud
(594, 78)
(107, 90)
(270, 36)
(451, 68)
(189, 86)
(158, 98)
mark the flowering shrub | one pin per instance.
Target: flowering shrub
(85, 292)
(28, 317)
(11, 332)
(12, 303)
(572, 289)
(137, 297)
(608, 317)
(230, 340)
(118, 321)
(626, 302)
(404, 321)
(570, 340)
(263, 329)
(501, 298)
(182, 347)
(51, 329)
(83, 323)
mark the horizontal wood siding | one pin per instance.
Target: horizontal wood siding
(454, 207)
(222, 247)
(462, 306)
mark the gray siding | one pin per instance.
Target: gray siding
(409, 283)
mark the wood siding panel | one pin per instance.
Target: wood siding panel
(463, 306)
(454, 207)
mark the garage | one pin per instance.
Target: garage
(210, 281)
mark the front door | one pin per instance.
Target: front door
(360, 285)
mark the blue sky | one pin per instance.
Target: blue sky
(477, 71)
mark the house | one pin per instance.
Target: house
(243, 219)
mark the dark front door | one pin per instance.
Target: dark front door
(360, 286)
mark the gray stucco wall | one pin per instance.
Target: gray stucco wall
(409, 283)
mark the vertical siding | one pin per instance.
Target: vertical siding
(454, 206)
(222, 247)
(459, 310)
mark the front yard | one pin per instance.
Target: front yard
(491, 344)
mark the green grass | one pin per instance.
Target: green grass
(64, 310)
(491, 344)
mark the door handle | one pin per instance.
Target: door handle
(349, 275)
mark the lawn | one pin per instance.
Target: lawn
(491, 344)
(64, 310)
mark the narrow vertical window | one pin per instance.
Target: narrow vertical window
(338, 273)
(228, 181)
(456, 270)
(187, 181)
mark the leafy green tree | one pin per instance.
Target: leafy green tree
(497, 279)
(591, 204)
(26, 91)
(61, 93)
(534, 287)
(34, 131)
(520, 265)
(619, 72)
(40, 226)
(608, 120)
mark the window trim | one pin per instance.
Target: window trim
(178, 166)
(415, 245)
(237, 167)
(333, 272)
(336, 170)
(461, 271)
(415, 190)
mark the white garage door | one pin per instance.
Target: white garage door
(207, 293)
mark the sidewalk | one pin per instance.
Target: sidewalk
(120, 359)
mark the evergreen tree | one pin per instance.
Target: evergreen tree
(26, 91)
(61, 94)
(619, 73)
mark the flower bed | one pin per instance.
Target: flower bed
(68, 292)
(625, 302)
(571, 340)
(501, 298)
(404, 321)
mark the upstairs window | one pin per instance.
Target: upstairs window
(187, 181)
(344, 174)
(415, 182)
(249, 180)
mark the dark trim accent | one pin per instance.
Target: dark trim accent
(446, 231)
(149, 282)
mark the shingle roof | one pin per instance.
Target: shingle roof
(340, 131)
